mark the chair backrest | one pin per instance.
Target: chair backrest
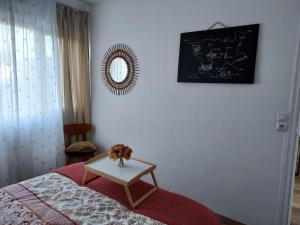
(79, 131)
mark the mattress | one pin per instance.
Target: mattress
(57, 198)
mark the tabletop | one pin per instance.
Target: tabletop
(132, 168)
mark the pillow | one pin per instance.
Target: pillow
(81, 146)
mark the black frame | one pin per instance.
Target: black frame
(202, 55)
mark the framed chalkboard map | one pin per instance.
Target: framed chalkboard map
(225, 55)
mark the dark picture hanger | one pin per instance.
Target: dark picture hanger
(216, 23)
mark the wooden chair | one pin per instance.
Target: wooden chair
(77, 132)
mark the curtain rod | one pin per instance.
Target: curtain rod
(67, 3)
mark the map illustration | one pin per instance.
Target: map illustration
(214, 56)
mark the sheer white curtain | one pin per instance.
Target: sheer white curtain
(31, 133)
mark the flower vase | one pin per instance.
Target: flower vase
(121, 162)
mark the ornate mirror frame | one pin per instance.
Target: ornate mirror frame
(125, 52)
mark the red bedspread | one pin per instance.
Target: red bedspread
(162, 205)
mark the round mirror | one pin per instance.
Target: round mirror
(118, 69)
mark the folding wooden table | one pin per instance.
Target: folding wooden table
(133, 170)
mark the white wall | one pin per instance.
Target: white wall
(212, 142)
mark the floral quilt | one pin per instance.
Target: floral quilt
(57, 200)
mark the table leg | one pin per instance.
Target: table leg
(129, 196)
(84, 177)
(154, 179)
(141, 199)
(146, 195)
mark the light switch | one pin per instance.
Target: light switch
(282, 116)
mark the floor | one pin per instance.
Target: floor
(296, 203)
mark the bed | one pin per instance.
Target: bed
(58, 198)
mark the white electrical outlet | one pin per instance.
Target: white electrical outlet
(281, 126)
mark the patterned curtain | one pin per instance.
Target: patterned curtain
(31, 133)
